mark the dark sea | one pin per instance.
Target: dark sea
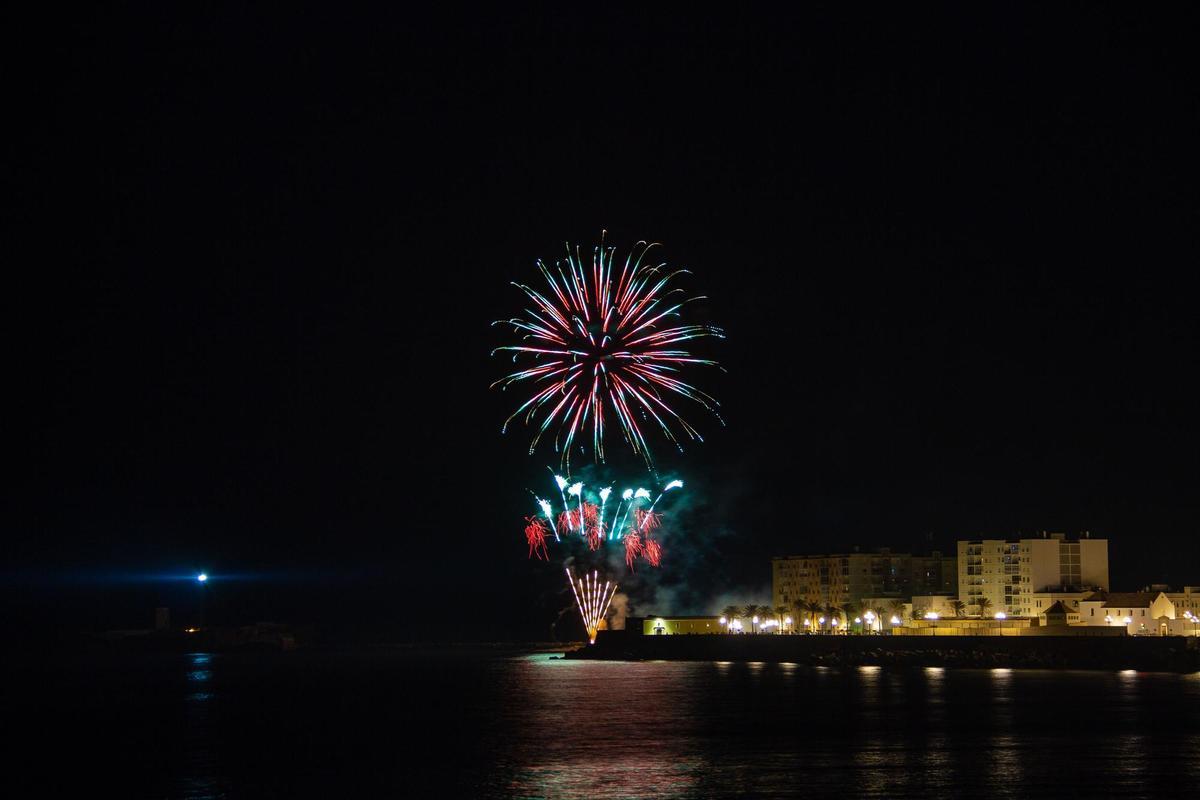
(478, 723)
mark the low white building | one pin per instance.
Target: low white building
(1141, 613)
(1040, 601)
(1186, 601)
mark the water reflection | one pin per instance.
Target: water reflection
(200, 780)
(725, 729)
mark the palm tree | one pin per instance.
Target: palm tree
(750, 612)
(831, 613)
(880, 614)
(730, 614)
(918, 613)
(985, 606)
(897, 607)
(801, 609)
(810, 611)
(780, 613)
(851, 611)
(959, 606)
(764, 614)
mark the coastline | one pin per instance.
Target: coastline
(1148, 654)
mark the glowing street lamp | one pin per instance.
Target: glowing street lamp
(1001, 615)
(202, 577)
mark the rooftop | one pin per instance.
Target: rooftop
(1131, 599)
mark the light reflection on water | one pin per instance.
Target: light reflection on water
(475, 724)
(604, 729)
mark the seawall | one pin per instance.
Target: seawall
(1168, 653)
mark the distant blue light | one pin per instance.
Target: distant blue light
(202, 577)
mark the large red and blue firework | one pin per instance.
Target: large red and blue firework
(606, 345)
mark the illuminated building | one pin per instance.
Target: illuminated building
(675, 625)
(1140, 613)
(1009, 572)
(840, 578)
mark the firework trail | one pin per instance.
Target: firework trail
(545, 506)
(675, 484)
(592, 600)
(562, 484)
(604, 493)
(646, 520)
(584, 519)
(605, 344)
(535, 534)
(617, 518)
(576, 490)
(640, 494)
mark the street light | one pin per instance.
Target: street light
(1001, 615)
(202, 577)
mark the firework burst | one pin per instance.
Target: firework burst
(606, 345)
(535, 535)
(592, 600)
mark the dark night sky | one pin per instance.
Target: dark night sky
(954, 255)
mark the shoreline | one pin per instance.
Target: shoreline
(1147, 654)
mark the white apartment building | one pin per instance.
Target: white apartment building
(1009, 572)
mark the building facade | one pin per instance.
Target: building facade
(1140, 613)
(1007, 573)
(840, 578)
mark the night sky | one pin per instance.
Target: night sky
(954, 254)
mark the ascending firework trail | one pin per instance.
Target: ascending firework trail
(592, 600)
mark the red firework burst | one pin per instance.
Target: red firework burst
(652, 551)
(535, 535)
(646, 520)
(605, 345)
(568, 520)
(633, 548)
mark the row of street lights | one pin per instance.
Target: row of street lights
(735, 625)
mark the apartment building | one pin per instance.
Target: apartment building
(839, 578)
(1007, 573)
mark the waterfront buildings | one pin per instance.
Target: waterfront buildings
(1008, 573)
(840, 578)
